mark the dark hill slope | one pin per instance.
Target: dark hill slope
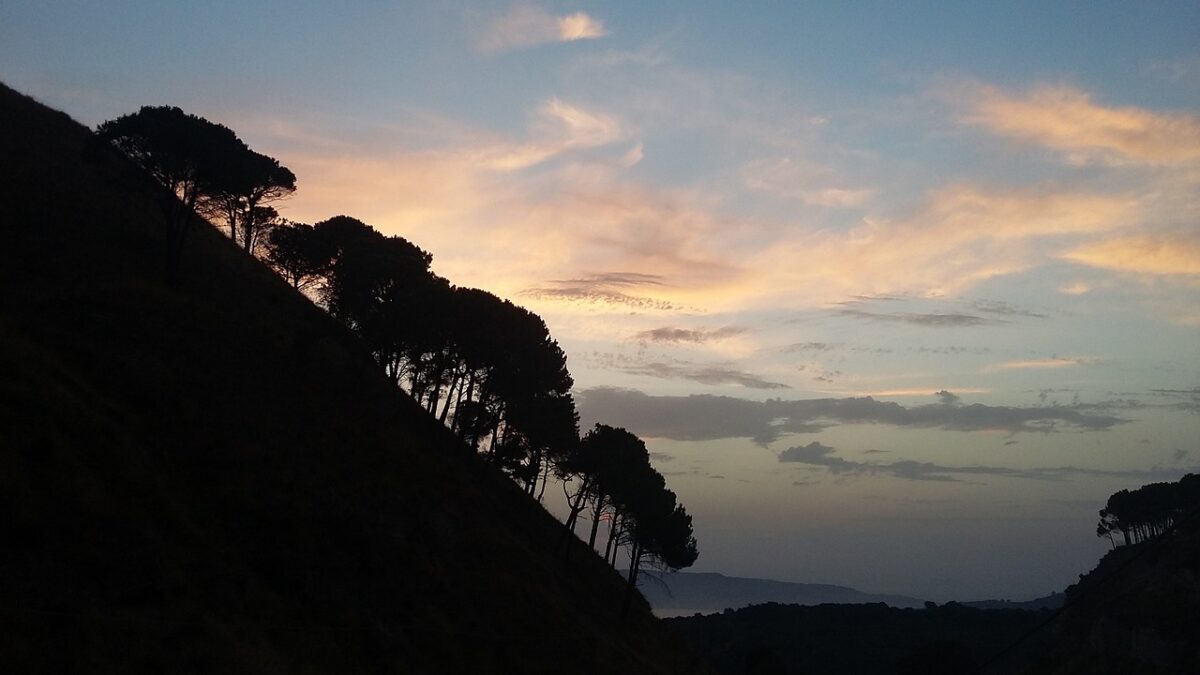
(214, 477)
(1138, 611)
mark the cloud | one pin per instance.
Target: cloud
(713, 374)
(706, 417)
(1163, 253)
(959, 237)
(1040, 364)
(816, 454)
(1005, 309)
(1075, 288)
(1067, 120)
(557, 127)
(607, 288)
(633, 156)
(812, 347)
(526, 26)
(808, 183)
(947, 320)
(669, 335)
(947, 398)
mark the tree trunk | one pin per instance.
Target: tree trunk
(596, 513)
(612, 531)
(635, 562)
(450, 397)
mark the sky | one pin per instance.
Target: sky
(896, 293)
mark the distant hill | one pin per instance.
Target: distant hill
(1052, 601)
(214, 476)
(686, 593)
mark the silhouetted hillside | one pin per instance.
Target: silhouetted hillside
(214, 476)
(857, 639)
(1138, 611)
(685, 593)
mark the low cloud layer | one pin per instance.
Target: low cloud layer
(816, 454)
(705, 417)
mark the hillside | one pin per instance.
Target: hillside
(685, 593)
(1136, 612)
(868, 639)
(213, 476)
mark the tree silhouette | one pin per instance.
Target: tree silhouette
(1148, 511)
(299, 254)
(185, 154)
(248, 183)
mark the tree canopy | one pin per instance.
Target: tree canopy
(1150, 510)
(185, 154)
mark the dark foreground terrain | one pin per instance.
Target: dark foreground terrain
(213, 476)
(1137, 612)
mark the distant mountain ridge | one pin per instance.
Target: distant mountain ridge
(686, 593)
(1052, 601)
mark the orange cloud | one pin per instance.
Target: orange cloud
(1066, 119)
(963, 235)
(1161, 253)
(1039, 364)
(526, 26)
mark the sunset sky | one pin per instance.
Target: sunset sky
(897, 293)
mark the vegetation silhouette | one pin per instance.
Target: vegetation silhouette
(483, 366)
(212, 474)
(1148, 511)
(201, 166)
(1134, 613)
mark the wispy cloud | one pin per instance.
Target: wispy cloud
(1041, 364)
(714, 375)
(1066, 119)
(670, 335)
(526, 25)
(948, 320)
(806, 182)
(1164, 253)
(558, 127)
(963, 235)
(680, 369)
(704, 417)
(606, 289)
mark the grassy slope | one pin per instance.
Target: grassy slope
(215, 477)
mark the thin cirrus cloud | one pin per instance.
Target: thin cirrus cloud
(811, 184)
(962, 235)
(526, 25)
(1066, 119)
(706, 417)
(558, 127)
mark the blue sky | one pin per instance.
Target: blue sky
(741, 220)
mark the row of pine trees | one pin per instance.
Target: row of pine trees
(486, 368)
